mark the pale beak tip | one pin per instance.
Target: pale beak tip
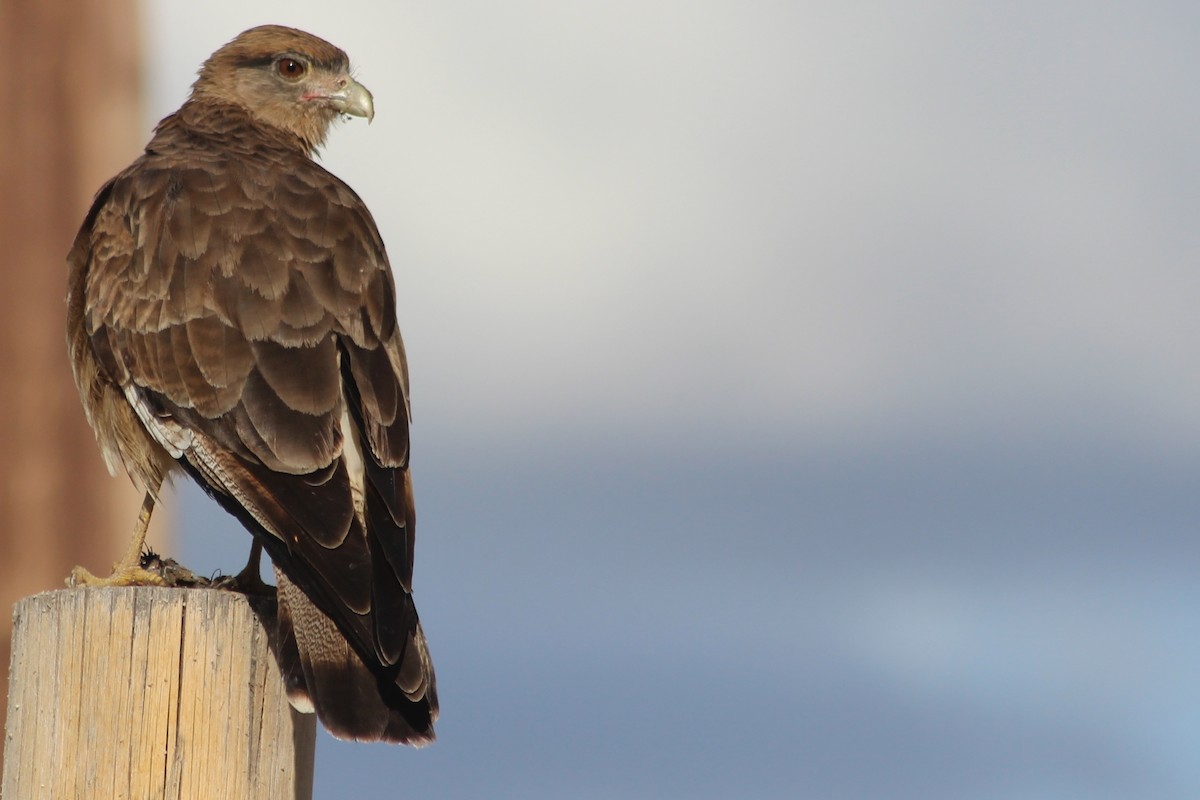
(356, 100)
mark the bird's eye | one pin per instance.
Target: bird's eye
(290, 68)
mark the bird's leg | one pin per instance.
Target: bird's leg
(128, 571)
(249, 580)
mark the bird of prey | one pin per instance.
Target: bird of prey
(231, 316)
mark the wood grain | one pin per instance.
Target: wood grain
(151, 693)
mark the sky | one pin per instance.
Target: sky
(804, 403)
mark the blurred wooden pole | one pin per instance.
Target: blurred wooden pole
(73, 119)
(151, 693)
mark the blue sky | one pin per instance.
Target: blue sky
(804, 393)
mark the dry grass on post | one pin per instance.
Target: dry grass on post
(151, 693)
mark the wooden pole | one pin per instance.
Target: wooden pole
(75, 119)
(150, 693)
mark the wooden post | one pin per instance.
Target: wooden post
(151, 693)
(75, 119)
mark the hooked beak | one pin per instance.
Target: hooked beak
(354, 99)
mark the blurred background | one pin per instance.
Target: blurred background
(805, 399)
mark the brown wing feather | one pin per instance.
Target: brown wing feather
(245, 307)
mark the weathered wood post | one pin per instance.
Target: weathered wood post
(81, 120)
(151, 693)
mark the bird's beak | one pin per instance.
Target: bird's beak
(354, 99)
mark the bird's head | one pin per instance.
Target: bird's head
(286, 78)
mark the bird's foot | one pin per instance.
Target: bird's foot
(248, 581)
(122, 575)
(150, 569)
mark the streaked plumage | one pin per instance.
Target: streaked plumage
(232, 315)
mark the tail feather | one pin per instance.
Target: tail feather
(350, 700)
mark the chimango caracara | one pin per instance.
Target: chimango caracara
(232, 316)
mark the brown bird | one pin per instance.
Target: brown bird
(231, 315)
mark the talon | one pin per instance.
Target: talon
(248, 581)
(129, 575)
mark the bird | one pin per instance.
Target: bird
(231, 317)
